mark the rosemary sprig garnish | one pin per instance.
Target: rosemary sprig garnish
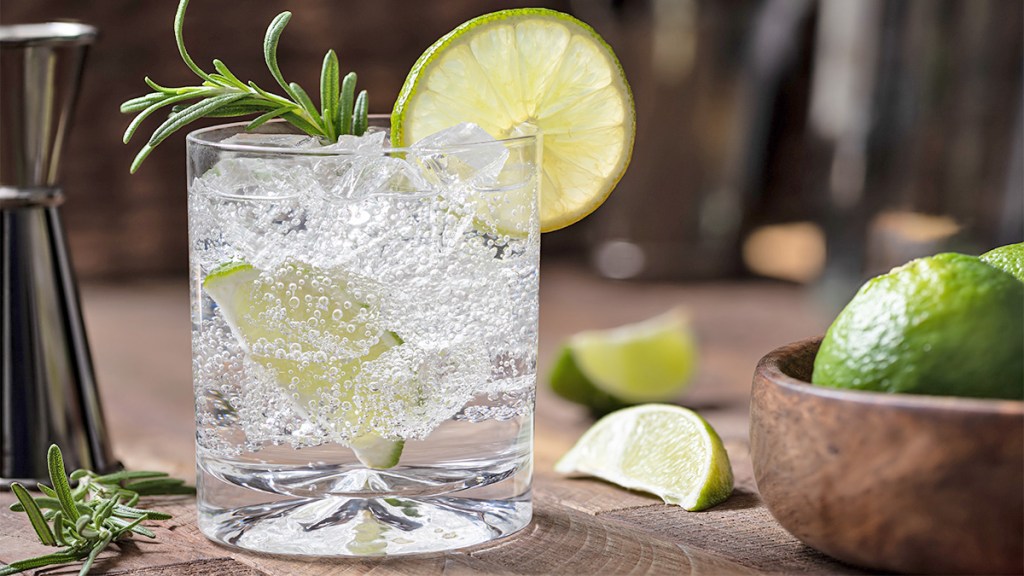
(222, 94)
(101, 509)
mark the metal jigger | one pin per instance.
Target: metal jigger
(47, 386)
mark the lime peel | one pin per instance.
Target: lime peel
(662, 449)
(944, 325)
(1009, 258)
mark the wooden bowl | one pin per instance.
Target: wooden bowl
(894, 482)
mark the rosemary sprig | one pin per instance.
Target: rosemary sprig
(101, 509)
(222, 94)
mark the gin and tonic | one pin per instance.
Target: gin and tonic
(364, 324)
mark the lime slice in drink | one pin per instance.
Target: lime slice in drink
(520, 71)
(309, 329)
(665, 450)
(649, 361)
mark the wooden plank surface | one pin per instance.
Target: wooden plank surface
(140, 340)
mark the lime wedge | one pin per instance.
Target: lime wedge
(665, 450)
(518, 71)
(307, 328)
(649, 361)
(569, 382)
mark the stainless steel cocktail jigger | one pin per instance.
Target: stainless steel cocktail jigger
(47, 386)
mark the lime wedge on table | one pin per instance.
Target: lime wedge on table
(268, 314)
(518, 71)
(665, 450)
(649, 361)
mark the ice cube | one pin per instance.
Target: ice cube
(301, 141)
(359, 176)
(369, 143)
(243, 177)
(361, 168)
(464, 153)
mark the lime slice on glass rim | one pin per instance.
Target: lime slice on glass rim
(661, 449)
(648, 361)
(253, 311)
(523, 71)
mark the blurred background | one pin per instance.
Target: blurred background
(813, 141)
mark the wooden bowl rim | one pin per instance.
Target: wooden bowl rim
(768, 369)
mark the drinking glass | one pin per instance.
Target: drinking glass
(364, 333)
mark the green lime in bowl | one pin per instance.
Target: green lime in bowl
(947, 325)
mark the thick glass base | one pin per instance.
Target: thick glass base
(337, 507)
(338, 526)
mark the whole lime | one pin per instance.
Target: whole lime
(1009, 258)
(946, 325)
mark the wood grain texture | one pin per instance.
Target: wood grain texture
(897, 482)
(559, 541)
(562, 541)
(743, 528)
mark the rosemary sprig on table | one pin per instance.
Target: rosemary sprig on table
(222, 94)
(101, 509)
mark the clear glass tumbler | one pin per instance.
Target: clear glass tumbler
(364, 332)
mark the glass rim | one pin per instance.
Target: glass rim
(199, 137)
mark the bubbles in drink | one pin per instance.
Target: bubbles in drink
(361, 294)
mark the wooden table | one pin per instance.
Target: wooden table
(140, 340)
